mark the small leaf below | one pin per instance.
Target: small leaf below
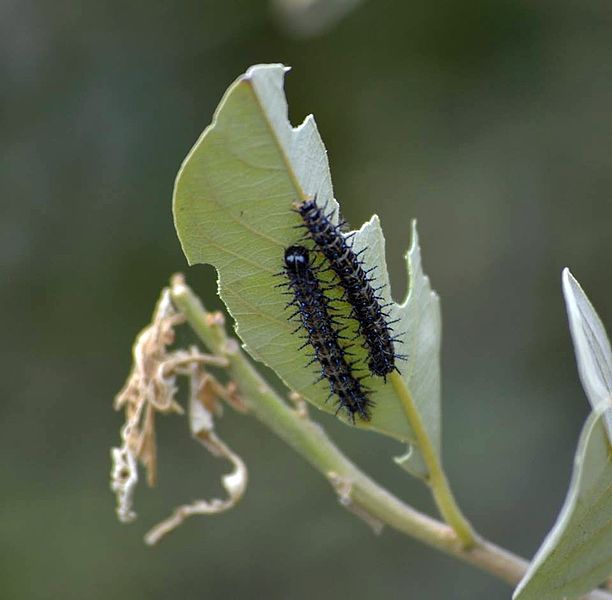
(576, 556)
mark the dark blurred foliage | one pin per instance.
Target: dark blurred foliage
(488, 120)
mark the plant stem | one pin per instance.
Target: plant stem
(355, 489)
(437, 478)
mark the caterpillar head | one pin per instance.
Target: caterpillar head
(297, 259)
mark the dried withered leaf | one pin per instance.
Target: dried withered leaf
(203, 405)
(150, 388)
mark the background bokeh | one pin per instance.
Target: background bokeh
(487, 120)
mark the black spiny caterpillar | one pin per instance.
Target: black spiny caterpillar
(313, 308)
(356, 282)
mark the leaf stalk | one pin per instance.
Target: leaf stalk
(437, 480)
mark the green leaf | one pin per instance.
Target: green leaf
(233, 203)
(591, 345)
(576, 555)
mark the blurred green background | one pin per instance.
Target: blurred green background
(488, 120)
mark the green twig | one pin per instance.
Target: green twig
(437, 478)
(355, 489)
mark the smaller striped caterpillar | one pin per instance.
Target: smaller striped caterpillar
(356, 282)
(322, 334)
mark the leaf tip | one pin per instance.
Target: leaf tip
(414, 234)
(567, 279)
(252, 70)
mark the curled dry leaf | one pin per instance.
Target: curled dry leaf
(203, 406)
(124, 477)
(150, 388)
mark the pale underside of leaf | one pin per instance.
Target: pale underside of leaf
(576, 556)
(591, 345)
(233, 203)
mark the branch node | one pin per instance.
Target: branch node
(231, 347)
(344, 487)
(301, 408)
